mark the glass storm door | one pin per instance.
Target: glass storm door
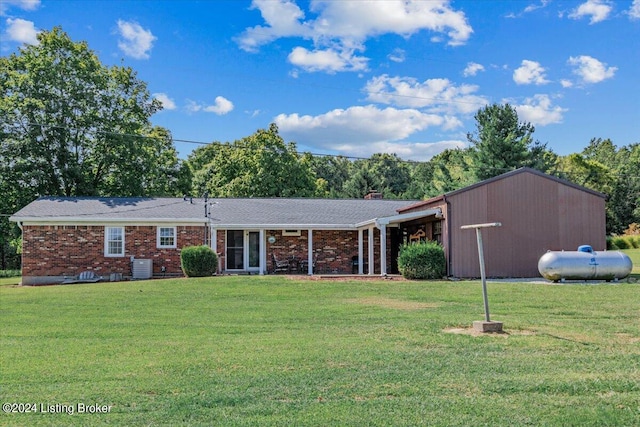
(243, 250)
(253, 252)
(235, 250)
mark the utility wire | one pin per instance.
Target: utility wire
(300, 153)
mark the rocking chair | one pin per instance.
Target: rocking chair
(282, 266)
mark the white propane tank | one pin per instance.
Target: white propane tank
(584, 264)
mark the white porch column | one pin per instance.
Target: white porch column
(360, 251)
(383, 250)
(310, 252)
(263, 253)
(370, 245)
(214, 246)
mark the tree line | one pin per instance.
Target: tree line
(70, 126)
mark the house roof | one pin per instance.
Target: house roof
(498, 178)
(275, 213)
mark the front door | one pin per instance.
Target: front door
(243, 250)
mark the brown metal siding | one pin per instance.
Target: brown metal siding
(537, 214)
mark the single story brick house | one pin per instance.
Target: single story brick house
(62, 237)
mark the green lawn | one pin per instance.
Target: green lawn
(276, 351)
(634, 254)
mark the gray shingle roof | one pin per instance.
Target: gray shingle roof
(253, 212)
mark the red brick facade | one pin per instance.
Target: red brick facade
(68, 250)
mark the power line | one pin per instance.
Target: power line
(300, 153)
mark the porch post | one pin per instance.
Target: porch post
(383, 250)
(370, 244)
(263, 252)
(360, 251)
(310, 252)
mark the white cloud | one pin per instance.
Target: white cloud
(566, 83)
(590, 70)
(167, 103)
(539, 111)
(598, 10)
(342, 27)
(398, 55)
(20, 4)
(634, 10)
(416, 151)
(327, 60)
(532, 7)
(438, 95)
(361, 124)
(528, 9)
(221, 106)
(21, 31)
(472, 69)
(135, 41)
(530, 72)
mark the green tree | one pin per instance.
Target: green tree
(331, 172)
(70, 126)
(393, 173)
(452, 170)
(420, 181)
(260, 165)
(622, 166)
(502, 143)
(75, 127)
(361, 182)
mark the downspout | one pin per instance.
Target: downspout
(448, 219)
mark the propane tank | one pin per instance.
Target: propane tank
(584, 264)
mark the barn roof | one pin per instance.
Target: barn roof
(506, 175)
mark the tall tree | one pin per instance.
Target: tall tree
(622, 166)
(452, 170)
(260, 165)
(331, 172)
(502, 143)
(71, 126)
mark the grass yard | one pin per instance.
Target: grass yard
(634, 254)
(279, 351)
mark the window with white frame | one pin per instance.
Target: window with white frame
(166, 237)
(114, 241)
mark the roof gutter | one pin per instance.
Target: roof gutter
(395, 219)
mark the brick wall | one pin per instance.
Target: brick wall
(68, 250)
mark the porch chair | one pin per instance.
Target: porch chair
(303, 267)
(279, 265)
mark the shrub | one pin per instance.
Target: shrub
(422, 261)
(620, 242)
(610, 245)
(10, 273)
(198, 261)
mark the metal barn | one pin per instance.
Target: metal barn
(538, 213)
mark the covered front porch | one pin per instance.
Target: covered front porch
(367, 248)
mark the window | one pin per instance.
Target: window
(114, 241)
(437, 231)
(166, 237)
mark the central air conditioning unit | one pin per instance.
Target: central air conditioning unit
(142, 269)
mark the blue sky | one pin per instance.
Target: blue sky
(357, 77)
